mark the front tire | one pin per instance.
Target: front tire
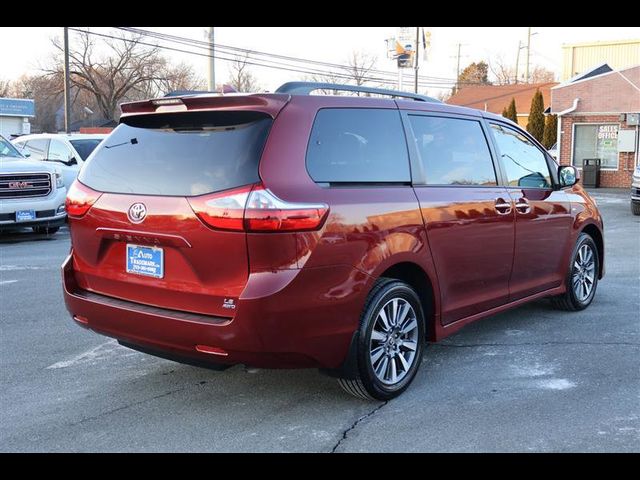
(582, 276)
(391, 340)
(635, 208)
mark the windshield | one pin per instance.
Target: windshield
(181, 154)
(85, 146)
(8, 150)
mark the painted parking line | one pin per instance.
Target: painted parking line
(14, 268)
(7, 282)
(103, 351)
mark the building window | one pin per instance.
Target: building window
(596, 141)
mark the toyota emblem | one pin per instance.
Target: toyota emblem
(137, 212)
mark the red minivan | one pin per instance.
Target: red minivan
(287, 230)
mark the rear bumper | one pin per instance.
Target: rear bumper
(299, 325)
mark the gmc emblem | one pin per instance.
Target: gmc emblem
(19, 184)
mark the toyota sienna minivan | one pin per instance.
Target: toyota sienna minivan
(289, 230)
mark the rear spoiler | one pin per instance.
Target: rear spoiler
(270, 104)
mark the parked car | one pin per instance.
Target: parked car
(69, 150)
(635, 191)
(289, 230)
(553, 151)
(32, 193)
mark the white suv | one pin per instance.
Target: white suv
(69, 150)
(32, 193)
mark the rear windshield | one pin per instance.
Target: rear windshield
(179, 154)
(85, 146)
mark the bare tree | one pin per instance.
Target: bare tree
(359, 66)
(123, 74)
(169, 78)
(540, 74)
(356, 71)
(46, 90)
(240, 77)
(444, 95)
(504, 73)
(5, 87)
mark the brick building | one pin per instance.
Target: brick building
(495, 98)
(598, 118)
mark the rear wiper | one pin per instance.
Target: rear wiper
(133, 141)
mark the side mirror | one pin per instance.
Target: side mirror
(72, 161)
(26, 154)
(568, 175)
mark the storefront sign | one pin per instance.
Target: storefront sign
(17, 107)
(607, 132)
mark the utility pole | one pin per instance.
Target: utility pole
(212, 67)
(528, 54)
(67, 91)
(417, 58)
(518, 59)
(458, 69)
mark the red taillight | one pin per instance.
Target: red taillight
(79, 200)
(223, 210)
(255, 209)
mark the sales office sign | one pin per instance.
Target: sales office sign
(607, 134)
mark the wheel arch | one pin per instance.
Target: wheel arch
(596, 234)
(414, 275)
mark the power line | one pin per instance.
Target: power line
(279, 66)
(205, 44)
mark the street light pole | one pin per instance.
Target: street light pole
(67, 91)
(212, 67)
(528, 54)
(518, 59)
(417, 58)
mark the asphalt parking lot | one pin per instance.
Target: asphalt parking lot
(533, 379)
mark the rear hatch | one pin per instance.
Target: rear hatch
(139, 238)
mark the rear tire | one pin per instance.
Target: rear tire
(46, 230)
(582, 276)
(635, 208)
(391, 339)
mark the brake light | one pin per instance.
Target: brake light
(255, 209)
(79, 200)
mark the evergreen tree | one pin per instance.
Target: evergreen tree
(512, 112)
(550, 131)
(535, 126)
(504, 112)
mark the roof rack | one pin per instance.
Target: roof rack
(305, 88)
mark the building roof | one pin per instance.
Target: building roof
(495, 98)
(616, 91)
(601, 43)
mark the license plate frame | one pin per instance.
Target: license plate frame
(25, 216)
(144, 260)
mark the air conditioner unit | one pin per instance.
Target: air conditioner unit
(633, 119)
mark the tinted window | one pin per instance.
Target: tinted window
(453, 151)
(525, 164)
(85, 146)
(181, 154)
(59, 151)
(37, 148)
(358, 145)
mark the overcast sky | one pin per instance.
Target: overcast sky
(23, 49)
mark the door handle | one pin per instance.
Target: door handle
(503, 207)
(523, 206)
